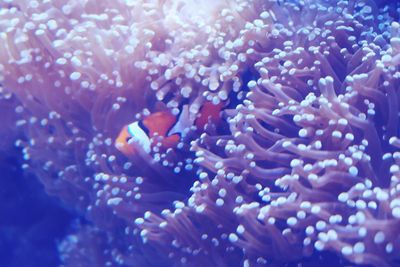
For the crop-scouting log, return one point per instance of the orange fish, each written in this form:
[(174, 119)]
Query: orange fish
[(165, 124), (209, 112)]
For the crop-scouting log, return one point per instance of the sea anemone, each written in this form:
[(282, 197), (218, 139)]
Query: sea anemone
[(304, 166)]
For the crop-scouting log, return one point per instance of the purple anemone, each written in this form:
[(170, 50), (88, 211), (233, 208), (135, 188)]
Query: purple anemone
[(304, 166)]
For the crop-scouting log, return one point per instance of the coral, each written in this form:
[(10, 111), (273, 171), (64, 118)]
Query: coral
[(304, 163)]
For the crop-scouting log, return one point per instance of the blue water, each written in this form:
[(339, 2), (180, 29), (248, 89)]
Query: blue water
[(31, 222)]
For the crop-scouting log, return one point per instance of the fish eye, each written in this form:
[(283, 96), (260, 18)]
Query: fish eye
[(128, 138)]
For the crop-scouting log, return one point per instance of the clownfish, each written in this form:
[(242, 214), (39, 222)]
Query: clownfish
[(167, 125)]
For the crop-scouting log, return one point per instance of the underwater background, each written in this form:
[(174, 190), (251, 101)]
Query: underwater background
[(300, 167)]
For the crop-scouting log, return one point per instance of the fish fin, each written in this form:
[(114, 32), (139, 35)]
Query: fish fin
[(170, 141)]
